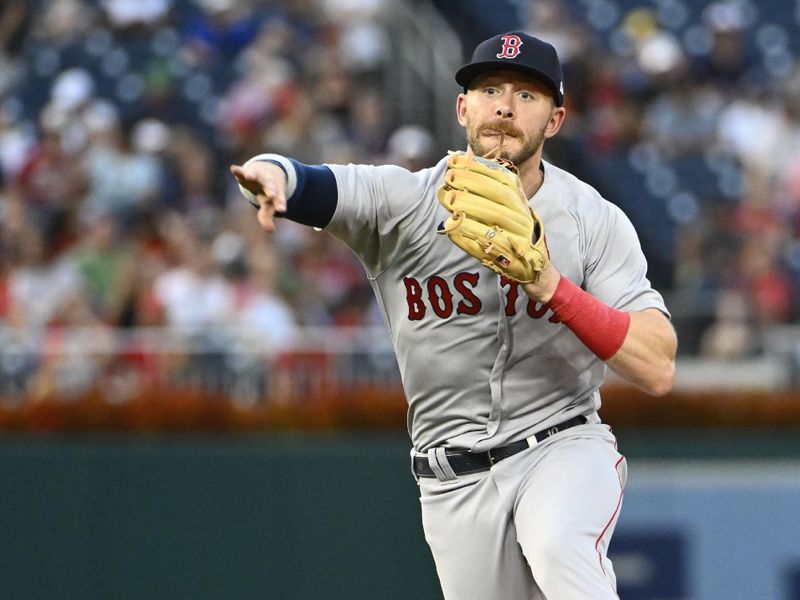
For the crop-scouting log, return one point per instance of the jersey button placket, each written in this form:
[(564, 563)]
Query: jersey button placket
[(498, 369)]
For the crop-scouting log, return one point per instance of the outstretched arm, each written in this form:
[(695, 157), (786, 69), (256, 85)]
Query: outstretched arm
[(282, 187)]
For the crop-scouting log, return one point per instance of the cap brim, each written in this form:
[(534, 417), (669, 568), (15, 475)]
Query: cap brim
[(467, 73)]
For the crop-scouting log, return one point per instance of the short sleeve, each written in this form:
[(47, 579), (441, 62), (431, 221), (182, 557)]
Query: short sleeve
[(615, 266), (376, 210)]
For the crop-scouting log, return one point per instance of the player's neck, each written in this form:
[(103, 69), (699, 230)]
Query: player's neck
[(531, 174)]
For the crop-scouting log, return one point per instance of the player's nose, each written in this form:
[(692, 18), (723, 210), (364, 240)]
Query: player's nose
[(504, 112)]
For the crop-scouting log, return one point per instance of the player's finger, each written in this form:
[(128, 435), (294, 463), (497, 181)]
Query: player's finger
[(249, 188), (266, 214), (475, 230), (259, 183), (274, 195), (245, 179), (451, 223)]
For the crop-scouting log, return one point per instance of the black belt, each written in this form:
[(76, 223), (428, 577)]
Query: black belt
[(464, 463)]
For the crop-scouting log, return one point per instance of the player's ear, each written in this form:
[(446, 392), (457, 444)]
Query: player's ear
[(555, 122), (461, 109)]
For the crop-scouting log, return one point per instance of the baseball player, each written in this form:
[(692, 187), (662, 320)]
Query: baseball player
[(501, 357)]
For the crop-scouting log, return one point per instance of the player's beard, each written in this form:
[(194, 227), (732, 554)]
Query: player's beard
[(529, 145)]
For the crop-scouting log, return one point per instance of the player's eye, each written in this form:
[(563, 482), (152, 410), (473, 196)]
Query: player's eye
[(490, 91), (526, 95)]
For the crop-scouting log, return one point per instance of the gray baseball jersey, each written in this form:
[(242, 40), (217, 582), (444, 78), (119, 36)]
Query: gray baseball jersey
[(481, 364)]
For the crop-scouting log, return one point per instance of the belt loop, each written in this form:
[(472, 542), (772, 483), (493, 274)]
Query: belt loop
[(437, 459), (413, 454)]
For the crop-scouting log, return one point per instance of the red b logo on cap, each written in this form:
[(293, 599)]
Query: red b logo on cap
[(511, 45)]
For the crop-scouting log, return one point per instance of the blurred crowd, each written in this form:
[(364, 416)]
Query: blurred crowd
[(686, 113), (117, 207), (704, 106), (119, 118)]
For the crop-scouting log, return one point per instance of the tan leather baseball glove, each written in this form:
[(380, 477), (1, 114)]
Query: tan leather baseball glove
[(490, 217)]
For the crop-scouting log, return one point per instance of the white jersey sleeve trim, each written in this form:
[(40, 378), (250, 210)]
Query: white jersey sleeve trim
[(291, 175)]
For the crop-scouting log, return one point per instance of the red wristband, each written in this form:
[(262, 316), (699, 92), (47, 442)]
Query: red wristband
[(600, 327)]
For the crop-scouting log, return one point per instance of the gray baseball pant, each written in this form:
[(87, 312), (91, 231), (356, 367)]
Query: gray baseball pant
[(535, 526)]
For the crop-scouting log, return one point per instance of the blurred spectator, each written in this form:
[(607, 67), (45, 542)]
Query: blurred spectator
[(733, 334), (188, 170), (77, 353), (133, 15), (325, 275), (768, 173), (15, 21), (64, 21), (261, 312), (17, 140), (94, 180), (554, 22), (151, 257), (614, 121), (763, 277), (267, 84), (334, 89), (683, 119), (412, 147), (42, 287), (368, 123), (52, 186), (727, 60), (107, 267), (302, 131), (122, 179), (193, 292), (221, 30), (361, 36)]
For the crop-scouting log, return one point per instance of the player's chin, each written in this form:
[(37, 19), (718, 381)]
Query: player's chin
[(522, 153)]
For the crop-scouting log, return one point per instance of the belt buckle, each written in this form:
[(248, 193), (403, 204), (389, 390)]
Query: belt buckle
[(492, 459)]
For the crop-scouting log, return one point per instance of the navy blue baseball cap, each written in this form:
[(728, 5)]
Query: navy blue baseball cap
[(518, 51)]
